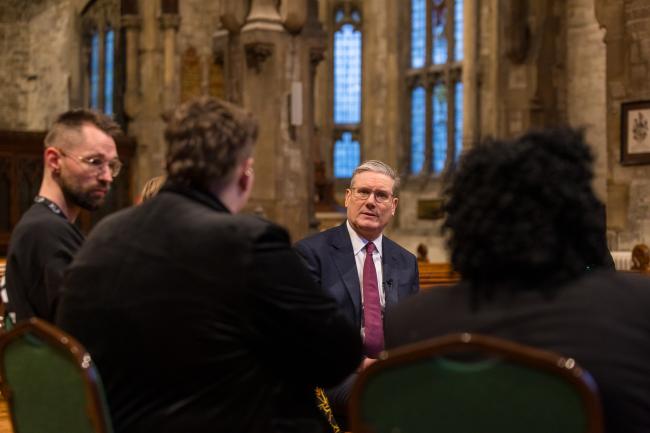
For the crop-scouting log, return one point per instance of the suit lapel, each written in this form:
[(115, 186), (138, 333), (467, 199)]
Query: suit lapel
[(343, 256), (390, 276)]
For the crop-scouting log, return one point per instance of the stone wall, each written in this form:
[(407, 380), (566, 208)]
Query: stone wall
[(585, 83), (627, 25), (54, 53), (36, 59)]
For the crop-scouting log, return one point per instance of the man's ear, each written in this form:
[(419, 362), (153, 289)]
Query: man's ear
[(246, 174), (395, 201), (52, 159), (348, 194)]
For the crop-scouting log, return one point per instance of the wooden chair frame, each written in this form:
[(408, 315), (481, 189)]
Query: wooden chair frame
[(563, 367), (70, 348)]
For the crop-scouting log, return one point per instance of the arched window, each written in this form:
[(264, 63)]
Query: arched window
[(347, 49), (109, 70), (103, 78), (435, 87)]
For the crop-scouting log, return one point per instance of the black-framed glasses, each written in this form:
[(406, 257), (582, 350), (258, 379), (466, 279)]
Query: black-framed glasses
[(96, 162), (365, 193)]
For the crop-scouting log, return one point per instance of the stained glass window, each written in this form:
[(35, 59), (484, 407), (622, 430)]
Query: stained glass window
[(347, 51), (109, 61), (436, 109), (418, 33), (94, 71), (346, 156), (347, 75), (439, 53), (458, 30), (458, 119), (439, 102), (418, 129)]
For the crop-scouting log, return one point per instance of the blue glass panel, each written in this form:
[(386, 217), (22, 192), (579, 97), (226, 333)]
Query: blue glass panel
[(439, 46), (339, 15), (458, 118), (356, 16), (109, 55), (347, 75), (346, 156), (94, 71), (458, 30), (418, 33), (418, 128), (439, 127)]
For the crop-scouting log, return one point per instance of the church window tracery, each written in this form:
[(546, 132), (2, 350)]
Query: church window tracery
[(434, 84), (347, 51)]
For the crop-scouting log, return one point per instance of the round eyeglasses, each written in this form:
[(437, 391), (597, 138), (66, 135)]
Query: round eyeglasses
[(365, 193), (96, 162)]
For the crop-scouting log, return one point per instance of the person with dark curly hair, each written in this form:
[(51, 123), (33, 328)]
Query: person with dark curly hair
[(200, 320), (526, 232)]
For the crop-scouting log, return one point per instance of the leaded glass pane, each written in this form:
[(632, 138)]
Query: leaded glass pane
[(418, 33), (458, 30), (458, 118), (439, 46), (94, 71), (339, 15), (347, 75), (356, 16), (439, 103), (346, 156), (108, 75), (418, 128)]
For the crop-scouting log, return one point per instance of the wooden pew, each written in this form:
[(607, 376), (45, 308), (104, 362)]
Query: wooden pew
[(436, 274)]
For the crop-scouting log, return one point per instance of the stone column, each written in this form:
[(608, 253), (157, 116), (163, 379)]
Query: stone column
[(276, 84), (131, 24), (146, 97), (169, 23), (470, 73)]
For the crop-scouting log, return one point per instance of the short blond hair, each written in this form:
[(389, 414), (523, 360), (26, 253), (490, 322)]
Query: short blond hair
[(151, 187)]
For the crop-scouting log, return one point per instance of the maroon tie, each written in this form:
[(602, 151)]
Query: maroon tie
[(372, 323)]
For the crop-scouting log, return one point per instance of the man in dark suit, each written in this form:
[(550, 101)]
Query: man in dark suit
[(526, 234), (362, 269), (200, 320)]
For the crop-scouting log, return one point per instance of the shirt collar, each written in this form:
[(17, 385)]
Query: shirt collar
[(359, 243)]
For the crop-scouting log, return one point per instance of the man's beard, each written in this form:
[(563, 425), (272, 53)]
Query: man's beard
[(84, 199)]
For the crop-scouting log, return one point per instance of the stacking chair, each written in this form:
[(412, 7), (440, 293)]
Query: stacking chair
[(50, 382), (466, 383)]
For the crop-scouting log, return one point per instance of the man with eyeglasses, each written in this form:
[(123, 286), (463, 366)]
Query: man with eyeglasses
[(362, 269), (79, 164)]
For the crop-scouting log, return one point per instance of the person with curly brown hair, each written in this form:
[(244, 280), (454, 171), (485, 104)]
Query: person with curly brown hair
[(199, 319), (527, 234)]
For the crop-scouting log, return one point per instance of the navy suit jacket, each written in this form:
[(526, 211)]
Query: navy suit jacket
[(330, 259)]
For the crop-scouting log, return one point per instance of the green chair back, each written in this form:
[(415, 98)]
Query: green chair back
[(468, 384), (50, 382)]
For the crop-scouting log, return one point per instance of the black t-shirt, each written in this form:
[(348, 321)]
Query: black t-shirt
[(42, 245)]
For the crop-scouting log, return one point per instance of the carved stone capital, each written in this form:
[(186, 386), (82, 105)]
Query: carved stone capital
[(256, 54), (234, 13), (316, 55), (263, 15), (293, 14), (131, 21), (170, 21)]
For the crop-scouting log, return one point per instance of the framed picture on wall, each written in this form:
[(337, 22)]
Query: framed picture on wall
[(635, 132)]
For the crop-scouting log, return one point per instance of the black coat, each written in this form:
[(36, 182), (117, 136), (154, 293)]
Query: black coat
[(203, 321), (601, 319)]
